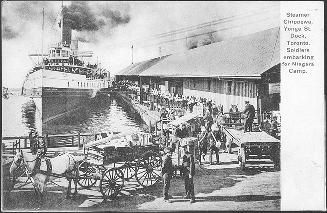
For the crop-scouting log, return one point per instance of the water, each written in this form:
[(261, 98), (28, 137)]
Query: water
[(20, 115)]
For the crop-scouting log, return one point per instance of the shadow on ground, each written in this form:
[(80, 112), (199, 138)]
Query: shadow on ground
[(54, 199), (237, 198), (206, 181)]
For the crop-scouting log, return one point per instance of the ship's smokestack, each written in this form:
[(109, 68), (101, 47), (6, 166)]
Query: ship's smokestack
[(66, 35)]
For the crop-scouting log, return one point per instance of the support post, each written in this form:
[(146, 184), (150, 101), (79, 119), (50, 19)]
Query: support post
[(47, 140), (25, 143), (258, 103), (79, 139), (73, 140), (141, 91), (84, 152), (155, 128), (178, 154)]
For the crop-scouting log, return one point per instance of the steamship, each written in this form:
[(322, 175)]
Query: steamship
[(62, 79)]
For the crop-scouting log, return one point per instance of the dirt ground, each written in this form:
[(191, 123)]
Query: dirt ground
[(217, 187)]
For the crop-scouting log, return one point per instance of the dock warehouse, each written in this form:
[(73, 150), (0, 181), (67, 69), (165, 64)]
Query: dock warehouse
[(133, 71), (227, 72)]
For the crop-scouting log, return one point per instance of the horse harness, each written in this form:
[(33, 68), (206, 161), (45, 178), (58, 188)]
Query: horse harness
[(48, 172), (37, 166)]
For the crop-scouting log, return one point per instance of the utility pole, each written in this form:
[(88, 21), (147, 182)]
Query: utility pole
[(159, 52), (132, 54)]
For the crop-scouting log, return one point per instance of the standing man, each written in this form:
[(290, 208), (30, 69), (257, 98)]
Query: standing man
[(214, 142), (167, 172), (249, 112), (203, 143), (34, 142), (188, 174)]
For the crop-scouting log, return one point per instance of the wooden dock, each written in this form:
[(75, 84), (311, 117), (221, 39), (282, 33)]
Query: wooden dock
[(56, 144)]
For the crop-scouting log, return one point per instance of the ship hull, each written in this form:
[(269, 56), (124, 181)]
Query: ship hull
[(60, 93), (57, 103)]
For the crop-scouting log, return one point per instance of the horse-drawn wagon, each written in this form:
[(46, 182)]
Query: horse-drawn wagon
[(257, 145), (109, 161), (112, 161)]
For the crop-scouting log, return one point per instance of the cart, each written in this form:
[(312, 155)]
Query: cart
[(253, 146), (112, 161)]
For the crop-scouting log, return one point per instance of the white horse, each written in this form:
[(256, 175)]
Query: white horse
[(62, 166)]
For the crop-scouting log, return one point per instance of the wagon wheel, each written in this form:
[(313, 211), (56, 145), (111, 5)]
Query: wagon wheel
[(111, 182), (241, 158), (148, 169), (87, 175), (128, 170)]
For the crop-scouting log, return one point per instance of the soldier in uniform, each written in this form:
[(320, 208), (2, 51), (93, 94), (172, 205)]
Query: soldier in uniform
[(167, 172), (214, 147), (249, 112), (203, 143), (188, 174), (34, 142)]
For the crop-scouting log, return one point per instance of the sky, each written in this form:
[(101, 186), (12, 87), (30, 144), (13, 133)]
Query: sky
[(109, 29)]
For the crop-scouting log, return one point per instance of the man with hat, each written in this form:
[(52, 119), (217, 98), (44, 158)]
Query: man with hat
[(249, 112), (188, 174), (166, 172)]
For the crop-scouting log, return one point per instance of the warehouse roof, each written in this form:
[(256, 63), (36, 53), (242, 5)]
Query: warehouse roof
[(246, 56), (137, 68)]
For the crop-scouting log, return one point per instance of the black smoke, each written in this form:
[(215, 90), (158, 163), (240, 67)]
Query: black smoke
[(115, 17), (202, 38), (78, 16), (91, 21)]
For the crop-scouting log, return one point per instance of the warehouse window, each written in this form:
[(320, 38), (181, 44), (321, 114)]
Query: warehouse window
[(241, 88), (229, 88), (237, 88), (251, 90), (256, 90), (220, 87), (234, 88), (246, 89), (209, 85)]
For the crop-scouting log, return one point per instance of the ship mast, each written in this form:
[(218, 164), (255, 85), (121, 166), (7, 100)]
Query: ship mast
[(62, 20), (42, 36)]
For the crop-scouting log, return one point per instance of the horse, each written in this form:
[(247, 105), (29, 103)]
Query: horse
[(64, 165)]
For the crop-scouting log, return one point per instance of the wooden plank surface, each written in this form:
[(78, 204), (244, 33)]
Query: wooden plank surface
[(243, 137)]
